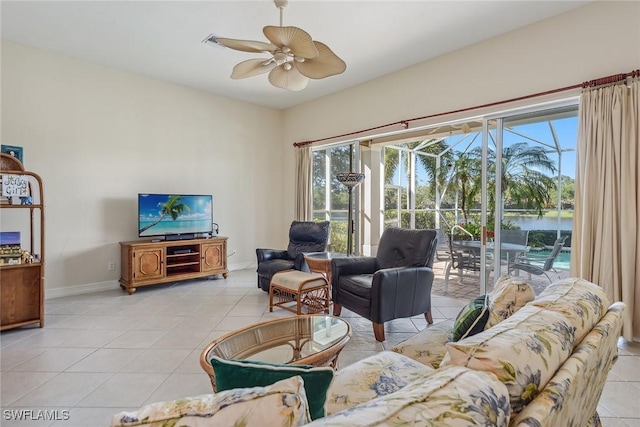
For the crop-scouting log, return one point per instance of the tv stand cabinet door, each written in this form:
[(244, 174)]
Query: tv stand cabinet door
[(214, 257), (148, 264)]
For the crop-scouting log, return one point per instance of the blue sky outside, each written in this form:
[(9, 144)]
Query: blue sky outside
[(566, 130)]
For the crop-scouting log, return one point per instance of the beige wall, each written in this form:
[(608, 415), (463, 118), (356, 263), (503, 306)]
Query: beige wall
[(99, 136), (596, 40)]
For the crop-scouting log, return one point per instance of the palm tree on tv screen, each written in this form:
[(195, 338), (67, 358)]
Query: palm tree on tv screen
[(171, 207)]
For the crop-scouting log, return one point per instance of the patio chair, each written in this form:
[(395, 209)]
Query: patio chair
[(539, 265), (464, 260), (443, 247)]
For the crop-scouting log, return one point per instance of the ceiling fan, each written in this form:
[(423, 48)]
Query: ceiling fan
[(295, 57)]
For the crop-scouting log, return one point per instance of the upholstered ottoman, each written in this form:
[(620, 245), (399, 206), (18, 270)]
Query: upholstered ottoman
[(309, 291)]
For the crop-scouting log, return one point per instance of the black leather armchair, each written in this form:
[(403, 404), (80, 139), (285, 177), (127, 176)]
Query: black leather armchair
[(304, 236), (394, 284)]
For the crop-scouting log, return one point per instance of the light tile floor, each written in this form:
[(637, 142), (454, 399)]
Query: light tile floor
[(105, 352)]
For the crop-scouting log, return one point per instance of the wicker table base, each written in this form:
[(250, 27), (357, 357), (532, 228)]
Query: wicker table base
[(300, 340)]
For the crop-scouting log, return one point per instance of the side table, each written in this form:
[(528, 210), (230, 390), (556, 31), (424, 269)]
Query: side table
[(320, 262)]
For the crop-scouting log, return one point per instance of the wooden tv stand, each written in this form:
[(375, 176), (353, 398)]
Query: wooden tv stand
[(145, 262)]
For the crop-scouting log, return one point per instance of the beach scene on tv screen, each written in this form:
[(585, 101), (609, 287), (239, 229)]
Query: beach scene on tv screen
[(163, 214)]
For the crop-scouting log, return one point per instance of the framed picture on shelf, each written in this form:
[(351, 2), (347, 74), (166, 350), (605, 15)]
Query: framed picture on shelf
[(14, 151)]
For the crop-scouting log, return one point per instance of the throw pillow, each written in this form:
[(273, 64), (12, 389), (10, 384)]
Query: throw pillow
[(472, 318), (281, 404), (508, 296), (249, 373)]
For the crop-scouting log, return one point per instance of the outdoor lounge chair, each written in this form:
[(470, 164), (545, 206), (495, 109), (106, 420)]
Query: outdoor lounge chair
[(539, 265)]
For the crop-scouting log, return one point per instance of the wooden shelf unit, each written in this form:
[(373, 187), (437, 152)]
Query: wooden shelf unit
[(145, 262), (22, 285)]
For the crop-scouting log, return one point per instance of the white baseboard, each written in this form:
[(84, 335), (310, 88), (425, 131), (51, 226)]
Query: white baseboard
[(80, 289), (242, 266), (113, 284)]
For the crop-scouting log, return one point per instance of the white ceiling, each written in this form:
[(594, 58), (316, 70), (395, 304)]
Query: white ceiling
[(163, 39)]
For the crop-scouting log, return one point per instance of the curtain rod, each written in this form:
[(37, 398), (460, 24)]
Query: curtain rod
[(615, 78)]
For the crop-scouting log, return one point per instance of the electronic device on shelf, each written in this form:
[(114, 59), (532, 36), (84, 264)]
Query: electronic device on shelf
[(181, 251), (175, 216)]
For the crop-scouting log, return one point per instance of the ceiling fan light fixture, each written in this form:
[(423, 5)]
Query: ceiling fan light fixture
[(295, 56), (290, 79)]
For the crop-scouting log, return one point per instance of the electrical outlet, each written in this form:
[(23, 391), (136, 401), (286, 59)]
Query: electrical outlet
[(111, 266)]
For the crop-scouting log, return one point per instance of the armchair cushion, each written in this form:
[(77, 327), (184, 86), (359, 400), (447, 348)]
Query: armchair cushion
[(405, 248), (307, 236), (359, 285)]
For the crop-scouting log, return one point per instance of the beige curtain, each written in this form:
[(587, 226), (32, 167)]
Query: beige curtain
[(607, 200), (303, 184)]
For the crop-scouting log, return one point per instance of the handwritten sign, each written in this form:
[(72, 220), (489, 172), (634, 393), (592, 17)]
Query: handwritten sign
[(15, 185)]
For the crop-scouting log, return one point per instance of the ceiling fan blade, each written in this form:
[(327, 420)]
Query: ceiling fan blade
[(324, 65), (246, 45), (252, 67), (296, 39), (288, 79)]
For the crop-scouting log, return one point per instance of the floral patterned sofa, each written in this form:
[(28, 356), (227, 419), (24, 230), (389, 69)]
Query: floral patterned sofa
[(544, 364)]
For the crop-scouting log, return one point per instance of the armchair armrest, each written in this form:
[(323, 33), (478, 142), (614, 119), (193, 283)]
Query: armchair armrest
[(268, 254), (400, 292), (353, 265)]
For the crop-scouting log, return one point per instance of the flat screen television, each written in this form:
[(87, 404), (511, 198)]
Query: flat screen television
[(171, 215)]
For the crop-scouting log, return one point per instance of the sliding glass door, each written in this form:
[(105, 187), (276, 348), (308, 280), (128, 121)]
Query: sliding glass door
[(528, 192), (330, 197)]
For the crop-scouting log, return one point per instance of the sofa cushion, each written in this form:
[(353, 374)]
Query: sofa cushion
[(571, 396), (452, 396), (230, 374), (282, 404), (378, 375), (428, 345), (472, 318), (508, 296), (523, 351), (583, 303)]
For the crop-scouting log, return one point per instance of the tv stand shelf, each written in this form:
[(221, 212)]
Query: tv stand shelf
[(146, 262)]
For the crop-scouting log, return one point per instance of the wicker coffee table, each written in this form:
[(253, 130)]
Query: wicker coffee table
[(300, 340)]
